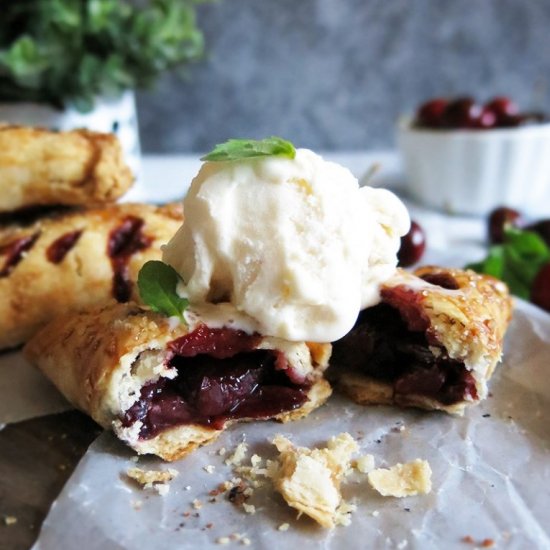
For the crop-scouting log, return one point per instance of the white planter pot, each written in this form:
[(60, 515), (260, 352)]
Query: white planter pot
[(109, 115)]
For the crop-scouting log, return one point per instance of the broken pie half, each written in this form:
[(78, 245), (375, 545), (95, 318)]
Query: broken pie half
[(166, 387), (433, 342)]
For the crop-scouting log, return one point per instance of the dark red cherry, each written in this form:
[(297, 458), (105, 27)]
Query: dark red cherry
[(412, 247), (487, 119), (503, 107), (429, 114), (500, 218), (540, 290), (463, 112), (541, 227)]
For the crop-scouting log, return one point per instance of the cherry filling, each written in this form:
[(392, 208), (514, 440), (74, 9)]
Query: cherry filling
[(385, 347), (219, 378), (124, 241), (57, 251), (14, 252)]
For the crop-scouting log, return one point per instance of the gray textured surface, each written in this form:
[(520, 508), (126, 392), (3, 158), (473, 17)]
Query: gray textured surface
[(335, 74)]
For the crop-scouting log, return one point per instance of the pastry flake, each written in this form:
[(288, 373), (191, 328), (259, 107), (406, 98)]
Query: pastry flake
[(433, 342), (309, 479), (402, 480), (166, 388)]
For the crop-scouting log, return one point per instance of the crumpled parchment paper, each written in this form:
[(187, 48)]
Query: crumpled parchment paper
[(491, 476)]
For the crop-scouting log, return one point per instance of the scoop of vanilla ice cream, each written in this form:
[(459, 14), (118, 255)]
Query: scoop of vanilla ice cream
[(294, 243)]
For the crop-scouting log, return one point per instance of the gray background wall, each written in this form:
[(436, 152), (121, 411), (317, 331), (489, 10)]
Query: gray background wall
[(335, 74)]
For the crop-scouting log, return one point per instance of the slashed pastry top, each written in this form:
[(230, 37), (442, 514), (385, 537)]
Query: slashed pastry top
[(44, 167), (75, 260), (433, 342), (166, 386)]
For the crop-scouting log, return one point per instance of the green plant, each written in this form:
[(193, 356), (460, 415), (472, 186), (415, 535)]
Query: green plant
[(72, 51)]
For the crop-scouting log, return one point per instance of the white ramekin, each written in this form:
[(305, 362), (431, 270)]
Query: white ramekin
[(474, 171)]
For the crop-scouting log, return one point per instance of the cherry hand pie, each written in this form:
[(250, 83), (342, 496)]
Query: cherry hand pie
[(75, 260), (166, 387), (433, 342), (43, 167)]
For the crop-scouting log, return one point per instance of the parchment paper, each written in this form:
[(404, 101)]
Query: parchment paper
[(24, 392), (491, 476)]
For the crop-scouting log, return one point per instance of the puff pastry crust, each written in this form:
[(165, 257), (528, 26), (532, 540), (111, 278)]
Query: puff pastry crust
[(105, 360), (43, 167), (433, 343), (76, 260)]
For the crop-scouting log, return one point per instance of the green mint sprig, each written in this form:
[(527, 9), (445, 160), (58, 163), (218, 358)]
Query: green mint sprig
[(157, 283), (238, 149), (516, 261)]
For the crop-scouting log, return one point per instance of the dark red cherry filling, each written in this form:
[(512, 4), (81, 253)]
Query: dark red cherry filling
[(57, 251), (219, 378), (124, 241), (384, 346)]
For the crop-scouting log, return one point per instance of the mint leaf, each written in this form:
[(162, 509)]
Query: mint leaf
[(516, 261), (238, 149), (157, 283)]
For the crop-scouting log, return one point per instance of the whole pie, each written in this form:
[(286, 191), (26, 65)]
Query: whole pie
[(41, 167), (72, 260)]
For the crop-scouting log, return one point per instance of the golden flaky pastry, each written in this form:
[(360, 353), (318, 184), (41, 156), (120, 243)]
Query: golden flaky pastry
[(43, 167), (166, 387), (432, 343), (309, 479), (76, 260)]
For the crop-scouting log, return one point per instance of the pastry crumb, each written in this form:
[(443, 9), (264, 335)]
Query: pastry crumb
[(10, 520), (309, 480), (343, 514), (283, 527), (249, 508), (153, 479), (163, 489), (364, 464), (209, 469), (246, 541), (402, 480), (223, 540), (197, 504), (238, 455)]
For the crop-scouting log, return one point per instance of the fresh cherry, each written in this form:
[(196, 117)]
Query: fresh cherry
[(502, 107), (412, 247), (429, 114), (542, 228), (540, 290), (499, 219), (463, 112), (487, 119)]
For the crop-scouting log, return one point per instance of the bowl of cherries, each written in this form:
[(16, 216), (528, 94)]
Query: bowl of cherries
[(465, 157)]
